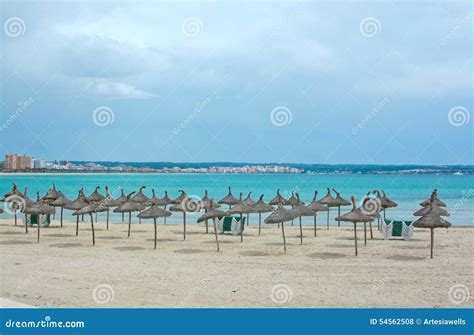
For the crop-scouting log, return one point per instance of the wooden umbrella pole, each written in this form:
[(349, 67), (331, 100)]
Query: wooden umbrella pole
[(184, 225), (93, 231), (241, 229), (328, 217), (259, 222), (26, 223), (165, 216), (292, 219), (123, 217), (432, 241), (355, 237), (14, 212), (371, 233), (129, 222), (62, 210), (301, 232), (338, 214), (315, 225), (248, 219), (365, 233), (283, 234), (215, 233), (154, 223), (107, 219), (38, 223), (77, 225)]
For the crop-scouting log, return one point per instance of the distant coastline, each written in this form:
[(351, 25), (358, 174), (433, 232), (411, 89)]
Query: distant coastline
[(82, 167)]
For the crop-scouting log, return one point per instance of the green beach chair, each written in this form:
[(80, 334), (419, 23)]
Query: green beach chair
[(230, 224), (397, 228)]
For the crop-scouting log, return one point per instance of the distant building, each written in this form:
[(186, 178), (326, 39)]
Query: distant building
[(39, 164), (15, 162)]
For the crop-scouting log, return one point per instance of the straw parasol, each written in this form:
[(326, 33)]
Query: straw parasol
[(51, 195), (95, 196), (432, 208), (240, 209), (329, 201), (278, 200), (299, 211), (229, 199), (431, 220), (340, 202), (207, 203), (61, 201), (165, 201), (92, 207), (212, 213), (108, 202), (433, 199), (280, 215), (179, 199), (122, 199), (355, 215), (261, 207), (390, 203), (316, 207), (142, 199), (249, 202), (154, 199), (154, 212), (16, 198), (187, 205), (370, 207), (128, 207), (39, 207), (76, 204)]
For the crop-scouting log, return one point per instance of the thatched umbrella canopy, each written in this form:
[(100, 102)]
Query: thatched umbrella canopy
[(122, 198), (390, 203), (229, 199), (212, 213), (28, 201), (95, 196), (280, 215), (154, 212), (165, 201), (179, 199), (433, 199), (61, 201), (294, 200), (108, 202), (278, 200), (39, 207), (316, 207), (154, 199), (207, 203), (355, 215), (52, 194), (249, 202), (370, 207), (432, 208), (16, 199), (93, 207), (78, 203), (187, 205), (340, 202), (240, 209), (300, 211), (329, 201), (128, 207), (140, 197), (431, 221), (261, 207)]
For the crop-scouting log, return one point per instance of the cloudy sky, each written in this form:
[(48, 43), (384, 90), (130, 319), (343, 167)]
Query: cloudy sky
[(346, 82)]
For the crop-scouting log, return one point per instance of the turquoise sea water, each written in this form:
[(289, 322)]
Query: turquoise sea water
[(408, 190)]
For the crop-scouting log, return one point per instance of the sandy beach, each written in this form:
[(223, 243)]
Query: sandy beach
[(67, 271)]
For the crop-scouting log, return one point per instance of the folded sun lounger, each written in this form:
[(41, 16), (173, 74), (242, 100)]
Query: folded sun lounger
[(230, 223), (397, 228)]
